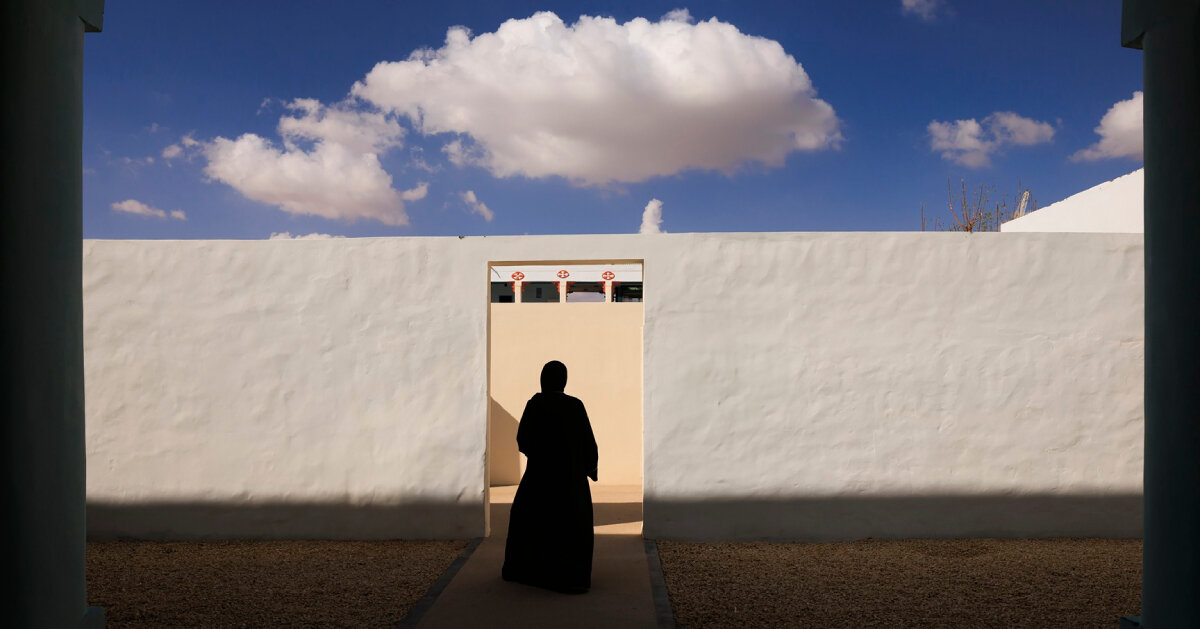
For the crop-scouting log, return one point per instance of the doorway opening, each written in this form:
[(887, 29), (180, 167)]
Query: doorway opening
[(588, 315)]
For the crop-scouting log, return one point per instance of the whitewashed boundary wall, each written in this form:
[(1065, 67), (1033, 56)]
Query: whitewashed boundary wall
[(895, 385), (796, 386)]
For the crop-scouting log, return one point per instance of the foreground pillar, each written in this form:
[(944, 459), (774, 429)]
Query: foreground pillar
[(41, 342), (1168, 32)]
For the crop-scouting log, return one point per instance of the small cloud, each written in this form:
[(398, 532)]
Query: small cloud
[(924, 9), (153, 128), (1120, 133), (652, 218), (312, 236), (182, 148), (133, 164), (1010, 128), (476, 206), (416, 194), (971, 142), (679, 15), (460, 154), (132, 206)]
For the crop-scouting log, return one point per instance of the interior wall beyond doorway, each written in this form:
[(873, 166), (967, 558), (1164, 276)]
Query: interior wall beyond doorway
[(601, 345)]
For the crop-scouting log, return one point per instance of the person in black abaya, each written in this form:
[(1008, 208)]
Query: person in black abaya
[(550, 526)]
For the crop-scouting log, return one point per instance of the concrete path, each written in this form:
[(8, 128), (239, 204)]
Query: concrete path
[(620, 594)]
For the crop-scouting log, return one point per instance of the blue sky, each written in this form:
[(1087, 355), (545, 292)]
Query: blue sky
[(785, 116)]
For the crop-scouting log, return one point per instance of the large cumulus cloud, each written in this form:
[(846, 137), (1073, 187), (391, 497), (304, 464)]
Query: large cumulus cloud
[(599, 101)]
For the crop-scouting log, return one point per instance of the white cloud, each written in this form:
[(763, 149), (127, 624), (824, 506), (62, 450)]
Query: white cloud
[(652, 218), (132, 165), (924, 9), (598, 101), (476, 206), (186, 147), (312, 236), (1010, 128), (416, 194), (1120, 133), (972, 143), (328, 165), (461, 154), (679, 15), (358, 131), (961, 141), (133, 206), (330, 181)]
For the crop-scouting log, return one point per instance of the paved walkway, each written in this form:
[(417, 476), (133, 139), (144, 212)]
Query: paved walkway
[(620, 594)]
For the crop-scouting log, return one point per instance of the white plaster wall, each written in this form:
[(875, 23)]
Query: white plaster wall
[(228, 381), (1114, 206), (894, 385), (886, 385)]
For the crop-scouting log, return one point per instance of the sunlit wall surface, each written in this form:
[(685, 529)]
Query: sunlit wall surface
[(802, 386)]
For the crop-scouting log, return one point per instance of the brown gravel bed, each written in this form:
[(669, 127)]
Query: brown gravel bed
[(905, 583), (262, 584)]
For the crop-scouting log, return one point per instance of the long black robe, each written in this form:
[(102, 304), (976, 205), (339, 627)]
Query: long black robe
[(550, 526)]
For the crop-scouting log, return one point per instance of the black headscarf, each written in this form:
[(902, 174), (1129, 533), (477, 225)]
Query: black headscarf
[(554, 377)]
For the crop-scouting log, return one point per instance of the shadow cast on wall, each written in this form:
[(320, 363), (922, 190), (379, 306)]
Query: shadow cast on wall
[(606, 513), (895, 517), (283, 520), (504, 460), (784, 519), (603, 514)]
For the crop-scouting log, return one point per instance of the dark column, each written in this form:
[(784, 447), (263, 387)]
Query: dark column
[(1168, 32), (41, 342)]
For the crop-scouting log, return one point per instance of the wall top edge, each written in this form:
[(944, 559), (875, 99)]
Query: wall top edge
[(675, 235)]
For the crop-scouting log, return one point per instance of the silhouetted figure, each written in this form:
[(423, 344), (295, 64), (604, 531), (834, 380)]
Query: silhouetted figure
[(550, 526)]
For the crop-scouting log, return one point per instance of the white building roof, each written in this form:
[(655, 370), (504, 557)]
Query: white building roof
[(1113, 206)]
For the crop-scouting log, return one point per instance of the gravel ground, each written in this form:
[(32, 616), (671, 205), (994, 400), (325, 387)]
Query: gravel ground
[(262, 584), (907, 583)]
